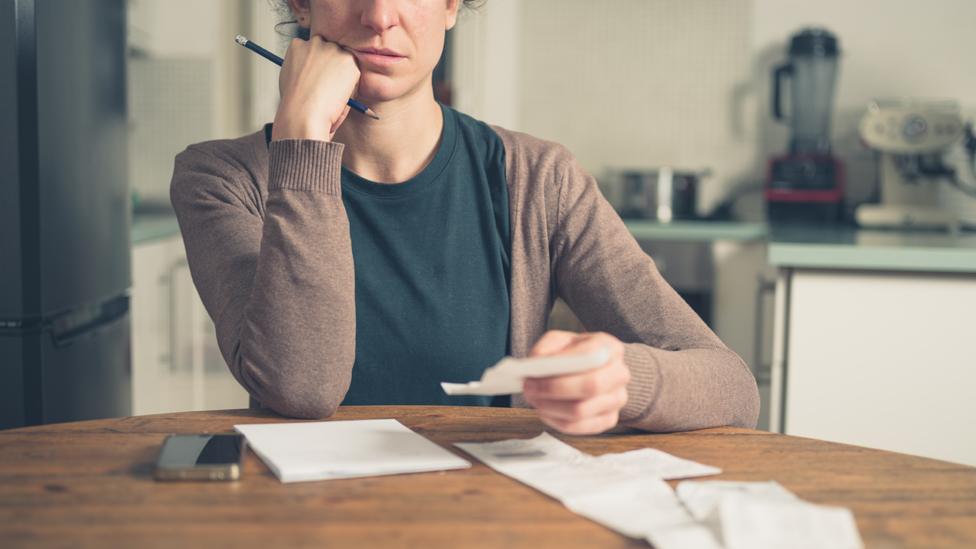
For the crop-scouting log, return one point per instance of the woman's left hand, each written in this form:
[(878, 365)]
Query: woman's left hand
[(585, 403)]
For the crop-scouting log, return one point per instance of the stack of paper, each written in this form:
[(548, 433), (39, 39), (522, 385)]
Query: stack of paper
[(345, 449), (627, 492), (507, 376)]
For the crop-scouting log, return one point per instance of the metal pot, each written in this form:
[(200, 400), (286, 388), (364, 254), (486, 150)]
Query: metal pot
[(663, 194)]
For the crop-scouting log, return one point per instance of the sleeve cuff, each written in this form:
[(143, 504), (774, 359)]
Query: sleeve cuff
[(305, 165), (645, 382)]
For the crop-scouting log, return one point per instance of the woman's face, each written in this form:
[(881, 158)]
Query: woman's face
[(412, 29)]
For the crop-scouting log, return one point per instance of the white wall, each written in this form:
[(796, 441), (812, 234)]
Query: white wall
[(637, 82)]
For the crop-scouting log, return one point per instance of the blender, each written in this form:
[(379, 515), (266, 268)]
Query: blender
[(807, 183)]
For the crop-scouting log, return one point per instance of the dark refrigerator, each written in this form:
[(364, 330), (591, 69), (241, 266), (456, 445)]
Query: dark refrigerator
[(64, 212)]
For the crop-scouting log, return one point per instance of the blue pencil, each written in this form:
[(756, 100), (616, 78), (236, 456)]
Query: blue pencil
[(279, 61)]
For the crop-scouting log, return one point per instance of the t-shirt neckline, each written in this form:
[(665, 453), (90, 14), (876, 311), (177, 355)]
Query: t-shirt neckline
[(427, 177)]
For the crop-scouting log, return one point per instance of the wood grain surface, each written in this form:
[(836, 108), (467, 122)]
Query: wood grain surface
[(89, 484)]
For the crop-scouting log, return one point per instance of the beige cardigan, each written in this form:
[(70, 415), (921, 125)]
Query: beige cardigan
[(268, 245)]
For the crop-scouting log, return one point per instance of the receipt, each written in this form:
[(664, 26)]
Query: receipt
[(506, 377), (627, 492), (760, 515), (624, 492), (701, 498)]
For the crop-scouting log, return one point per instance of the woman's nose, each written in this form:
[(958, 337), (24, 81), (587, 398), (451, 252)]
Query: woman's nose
[(380, 15)]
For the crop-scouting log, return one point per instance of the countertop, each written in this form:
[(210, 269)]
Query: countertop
[(841, 247), (147, 227), (697, 231), (869, 249)]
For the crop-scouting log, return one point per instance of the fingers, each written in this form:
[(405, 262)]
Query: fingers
[(552, 341), (584, 403), (578, 410), (588, 426), (578, 386)]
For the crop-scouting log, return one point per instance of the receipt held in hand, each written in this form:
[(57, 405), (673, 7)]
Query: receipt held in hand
[(506, 377)]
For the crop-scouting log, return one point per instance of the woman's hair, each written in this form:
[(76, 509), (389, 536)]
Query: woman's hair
[(284, 12)]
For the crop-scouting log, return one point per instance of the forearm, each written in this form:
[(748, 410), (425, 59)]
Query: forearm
[(279, 288), (688, 389), (296, 339)]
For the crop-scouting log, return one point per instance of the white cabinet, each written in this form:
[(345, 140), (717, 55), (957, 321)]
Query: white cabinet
[(176, 365), (878, 359)]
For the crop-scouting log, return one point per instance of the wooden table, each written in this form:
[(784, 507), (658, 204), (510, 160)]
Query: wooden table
[(90, 484)]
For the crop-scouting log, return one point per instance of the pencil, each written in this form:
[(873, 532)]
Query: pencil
[(279, 61)]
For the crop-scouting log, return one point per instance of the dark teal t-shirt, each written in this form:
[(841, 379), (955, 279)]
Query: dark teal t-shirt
[(432, 271)]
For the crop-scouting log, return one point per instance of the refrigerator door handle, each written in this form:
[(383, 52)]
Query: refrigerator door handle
[(69, 327)]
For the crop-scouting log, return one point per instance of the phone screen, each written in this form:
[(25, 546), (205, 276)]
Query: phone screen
[(186, 451)]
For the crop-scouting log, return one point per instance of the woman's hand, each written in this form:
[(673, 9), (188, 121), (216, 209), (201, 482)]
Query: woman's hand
[(316, 81), (585, 403)]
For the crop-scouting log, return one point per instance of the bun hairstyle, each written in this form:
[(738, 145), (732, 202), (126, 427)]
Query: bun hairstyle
[(281, 6)]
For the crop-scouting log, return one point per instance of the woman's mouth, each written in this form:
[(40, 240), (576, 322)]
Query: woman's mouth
[(378, 57)]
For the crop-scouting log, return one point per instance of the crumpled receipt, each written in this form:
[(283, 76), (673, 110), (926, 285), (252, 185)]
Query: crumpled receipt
[(507, 376), (627, 492), (765, 515)]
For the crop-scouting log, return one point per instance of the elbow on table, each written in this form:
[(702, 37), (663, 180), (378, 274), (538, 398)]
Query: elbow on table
[(300, 395), (296, 388), (305, 403)]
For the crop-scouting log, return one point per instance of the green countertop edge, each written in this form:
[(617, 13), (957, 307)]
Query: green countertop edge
[(697, 231), (956, 256), (151, 227), (849, 257)]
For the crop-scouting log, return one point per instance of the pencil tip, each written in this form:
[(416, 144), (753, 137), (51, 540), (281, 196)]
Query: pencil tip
[(240, 40), (371, 113)]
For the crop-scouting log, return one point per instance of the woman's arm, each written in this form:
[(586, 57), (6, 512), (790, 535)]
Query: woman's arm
[(682, 376), (279, 289)]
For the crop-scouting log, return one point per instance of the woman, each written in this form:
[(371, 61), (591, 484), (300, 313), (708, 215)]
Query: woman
[(347, 260)]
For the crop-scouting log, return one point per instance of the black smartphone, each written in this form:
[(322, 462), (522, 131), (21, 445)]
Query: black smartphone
[(201, 457)]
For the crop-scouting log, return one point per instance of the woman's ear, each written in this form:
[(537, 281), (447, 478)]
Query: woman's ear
[(452, 13), (302, 11)]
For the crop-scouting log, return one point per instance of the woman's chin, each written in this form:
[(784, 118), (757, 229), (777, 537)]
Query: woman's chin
[(379, 88)]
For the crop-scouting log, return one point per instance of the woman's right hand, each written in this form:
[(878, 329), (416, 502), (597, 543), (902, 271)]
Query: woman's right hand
[(316, 81)]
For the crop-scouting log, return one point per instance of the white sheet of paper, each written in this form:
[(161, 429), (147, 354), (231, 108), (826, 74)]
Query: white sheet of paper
[(506, 377), (345, 449), (624, 492)]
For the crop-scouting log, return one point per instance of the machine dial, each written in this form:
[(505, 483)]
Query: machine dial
[(914, 128)]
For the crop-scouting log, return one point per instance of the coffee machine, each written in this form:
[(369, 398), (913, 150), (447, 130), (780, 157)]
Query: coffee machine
[(912, 138), (807, 183)]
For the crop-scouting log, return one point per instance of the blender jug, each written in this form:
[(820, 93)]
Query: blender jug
[(812, 70)]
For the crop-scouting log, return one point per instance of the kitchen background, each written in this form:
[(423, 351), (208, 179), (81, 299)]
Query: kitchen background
[(632, 85)]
